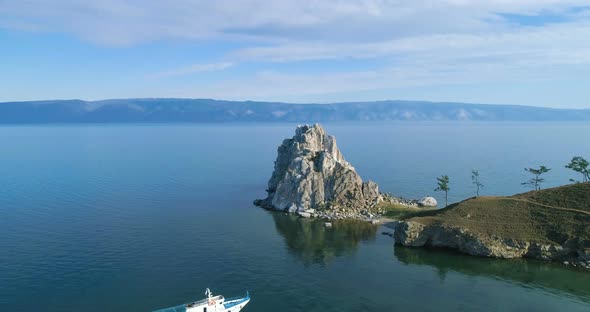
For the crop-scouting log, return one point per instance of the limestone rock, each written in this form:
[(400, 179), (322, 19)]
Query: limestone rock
[(371, 191), (415, 234), (311, 173), (304, 214), (409, 234), (427, 202)]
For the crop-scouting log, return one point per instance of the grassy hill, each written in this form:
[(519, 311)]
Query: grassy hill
[(551, 215)]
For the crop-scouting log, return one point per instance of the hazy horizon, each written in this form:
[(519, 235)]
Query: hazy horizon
[(502, 52), (291, 103)]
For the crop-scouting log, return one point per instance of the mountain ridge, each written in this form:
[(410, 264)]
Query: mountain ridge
[(171, 110)]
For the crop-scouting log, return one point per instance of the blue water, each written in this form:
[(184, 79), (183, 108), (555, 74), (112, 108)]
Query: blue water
[(141, 217)]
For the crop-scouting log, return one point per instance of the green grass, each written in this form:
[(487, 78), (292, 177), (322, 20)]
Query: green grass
[(552, 215), (399, 211), (574, 196)]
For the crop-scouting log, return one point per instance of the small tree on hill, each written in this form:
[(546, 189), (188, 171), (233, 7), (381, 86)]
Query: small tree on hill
[(535, 182), (580, 165), (475, 181), (443, 186)]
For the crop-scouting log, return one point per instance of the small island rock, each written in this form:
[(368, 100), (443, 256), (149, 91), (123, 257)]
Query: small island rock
[(311, 173)]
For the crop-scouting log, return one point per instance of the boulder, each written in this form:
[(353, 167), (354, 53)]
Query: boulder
[(371, 191), (304, 214), (427, 202), (311, 173)]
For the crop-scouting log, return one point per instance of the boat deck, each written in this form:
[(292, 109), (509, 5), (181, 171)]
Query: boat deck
[(226, 302), (179, 308)]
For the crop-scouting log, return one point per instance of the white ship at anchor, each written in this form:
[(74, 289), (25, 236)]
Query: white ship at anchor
[(212, 304)]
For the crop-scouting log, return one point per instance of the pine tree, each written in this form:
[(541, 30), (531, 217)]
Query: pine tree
[(535, 182), (475, 181), (580, 165), (443, 186)]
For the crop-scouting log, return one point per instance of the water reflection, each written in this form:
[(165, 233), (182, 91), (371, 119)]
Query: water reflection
[(312, 242), (530, 273)]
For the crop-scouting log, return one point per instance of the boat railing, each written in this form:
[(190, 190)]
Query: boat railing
[(238, 297), (197, 303), (233, 298)]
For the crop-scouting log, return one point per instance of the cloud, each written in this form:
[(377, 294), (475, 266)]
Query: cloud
[(553, 44), (193, 69), (124, 22), (414, 43)]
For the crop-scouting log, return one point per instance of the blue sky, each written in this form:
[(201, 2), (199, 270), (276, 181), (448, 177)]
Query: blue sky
[(531, 52)]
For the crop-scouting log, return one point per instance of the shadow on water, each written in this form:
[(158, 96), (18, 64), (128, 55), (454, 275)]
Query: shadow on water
[(552, 277), (314, 243)]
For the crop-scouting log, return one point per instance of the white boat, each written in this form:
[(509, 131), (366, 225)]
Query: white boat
[(212, 304)]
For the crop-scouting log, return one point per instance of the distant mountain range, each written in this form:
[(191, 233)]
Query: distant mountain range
[(206, 110)]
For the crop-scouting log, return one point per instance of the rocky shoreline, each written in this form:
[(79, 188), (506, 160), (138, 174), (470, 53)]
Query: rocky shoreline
[(372, 214), (415, 234)]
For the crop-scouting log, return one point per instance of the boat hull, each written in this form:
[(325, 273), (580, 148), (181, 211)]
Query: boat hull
[(212, 304), (222, 307)]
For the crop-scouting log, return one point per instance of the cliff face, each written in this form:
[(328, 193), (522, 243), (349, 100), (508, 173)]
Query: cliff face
[(311, 173), (415, 234)]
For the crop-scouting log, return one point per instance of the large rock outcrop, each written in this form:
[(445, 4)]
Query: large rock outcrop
[(416, 234), (311, 173)]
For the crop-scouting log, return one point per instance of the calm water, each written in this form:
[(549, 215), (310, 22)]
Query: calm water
[(134, 218)]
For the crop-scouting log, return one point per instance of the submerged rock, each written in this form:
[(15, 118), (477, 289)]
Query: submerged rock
[(311, 173)]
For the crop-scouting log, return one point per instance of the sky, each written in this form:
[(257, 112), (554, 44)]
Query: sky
[(528, 52)]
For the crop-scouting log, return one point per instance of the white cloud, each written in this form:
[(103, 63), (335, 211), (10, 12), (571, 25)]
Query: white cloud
[(118, 22), (552, 44)]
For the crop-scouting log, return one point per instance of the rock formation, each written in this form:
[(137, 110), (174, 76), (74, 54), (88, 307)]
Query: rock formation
[(311, 173), (428, 202), (415, 234)]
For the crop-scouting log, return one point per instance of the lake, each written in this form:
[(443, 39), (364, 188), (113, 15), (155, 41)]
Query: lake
[(141, 217)]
